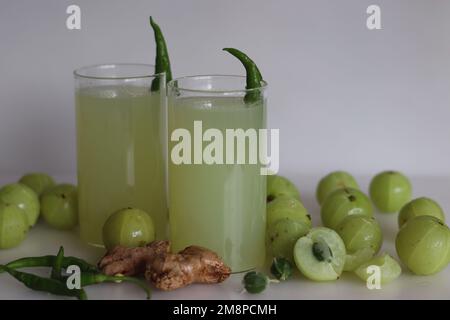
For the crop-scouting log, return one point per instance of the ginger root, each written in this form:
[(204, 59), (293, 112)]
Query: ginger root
[(167, 271), (131, 261)]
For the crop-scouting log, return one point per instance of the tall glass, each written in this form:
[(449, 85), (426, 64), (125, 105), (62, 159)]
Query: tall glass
[(120, 142), (218, 206)]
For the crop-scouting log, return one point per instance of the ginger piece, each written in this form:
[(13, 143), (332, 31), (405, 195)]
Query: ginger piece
[(167, 271), (131, 261), (192, 265)]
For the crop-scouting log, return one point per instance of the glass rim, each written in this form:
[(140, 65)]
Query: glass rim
[(171, 83), (78, 73)]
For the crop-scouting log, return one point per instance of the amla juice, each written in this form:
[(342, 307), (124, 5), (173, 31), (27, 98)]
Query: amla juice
[(120, 156), (219, 206)]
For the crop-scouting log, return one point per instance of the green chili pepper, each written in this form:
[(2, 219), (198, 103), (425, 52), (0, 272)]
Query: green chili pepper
[(253, 75), (82, 264), (48, 261), (88, 278), (162, 62), (38, 283), (57, 264)]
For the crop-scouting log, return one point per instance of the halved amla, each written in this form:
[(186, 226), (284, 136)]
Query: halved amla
[(320, 255), (388, 268)]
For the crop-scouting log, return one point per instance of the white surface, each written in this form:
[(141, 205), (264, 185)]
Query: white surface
[(342, 96), (43, 240)]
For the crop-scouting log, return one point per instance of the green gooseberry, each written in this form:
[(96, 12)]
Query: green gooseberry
[(423, 245), (59, 206), (280, 186), (342, 203), (13, 226), (362, 237), (359, 231), (286, 207), (282, 236), (128, 227), (24, 198), (420, 207), (37, 181), (332, 182), (390, 191)]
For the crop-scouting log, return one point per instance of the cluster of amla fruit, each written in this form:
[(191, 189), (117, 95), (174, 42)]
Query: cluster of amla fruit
[(351, 238), (422, 243), (35, 195)]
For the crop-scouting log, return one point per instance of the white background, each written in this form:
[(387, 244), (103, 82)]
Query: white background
[(343, 97)]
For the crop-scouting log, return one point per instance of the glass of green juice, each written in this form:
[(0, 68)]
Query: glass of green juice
[(214, 204), (120, 145)]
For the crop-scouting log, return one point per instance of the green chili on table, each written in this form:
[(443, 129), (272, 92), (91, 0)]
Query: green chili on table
[(58, 284), (57, 264), (48, 261), (38, 283), (162, 62), (253, 75)]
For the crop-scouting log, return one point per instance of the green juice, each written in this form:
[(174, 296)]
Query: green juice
[(220, 207), (120, 156)]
